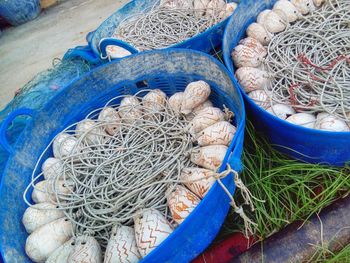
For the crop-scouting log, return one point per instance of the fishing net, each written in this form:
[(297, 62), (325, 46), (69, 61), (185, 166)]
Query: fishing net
[(38, 91)]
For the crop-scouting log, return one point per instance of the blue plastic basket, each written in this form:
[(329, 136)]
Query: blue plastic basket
[(17, 12), (206, 42), (305, 144), (169, 70)]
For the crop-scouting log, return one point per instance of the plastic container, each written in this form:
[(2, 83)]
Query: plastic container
[(206, 42), (169, 70), (309, 145), (17, 12)]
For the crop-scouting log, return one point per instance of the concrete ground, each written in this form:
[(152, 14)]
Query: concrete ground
[(30, 48)]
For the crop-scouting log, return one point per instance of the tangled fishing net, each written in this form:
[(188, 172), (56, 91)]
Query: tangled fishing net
[(165, 24), (310, 62), (109, 178)]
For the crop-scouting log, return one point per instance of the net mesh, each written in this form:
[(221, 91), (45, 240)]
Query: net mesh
[(37, 92)]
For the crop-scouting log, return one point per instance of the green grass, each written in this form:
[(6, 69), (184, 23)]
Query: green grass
[(292, 190), (341, 257), (323, 255)]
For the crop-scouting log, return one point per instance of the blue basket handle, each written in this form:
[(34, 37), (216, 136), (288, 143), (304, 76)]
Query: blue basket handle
[(7, 122), (114, 42), (89, 36), (84, 52), (235, 160)]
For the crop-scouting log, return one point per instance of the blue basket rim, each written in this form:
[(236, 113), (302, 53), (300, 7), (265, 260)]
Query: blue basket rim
[(145, 53)]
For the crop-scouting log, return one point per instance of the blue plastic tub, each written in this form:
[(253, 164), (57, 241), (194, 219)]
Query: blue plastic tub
[(309, 145), (205, 42), (170, 70), (17, 12)]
